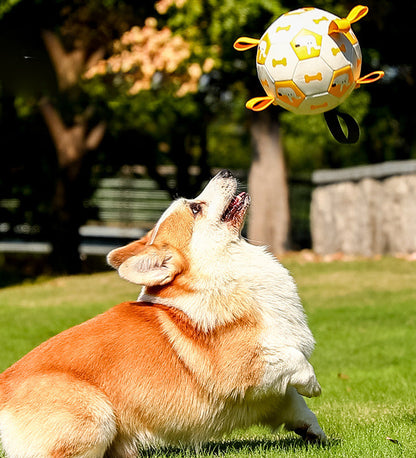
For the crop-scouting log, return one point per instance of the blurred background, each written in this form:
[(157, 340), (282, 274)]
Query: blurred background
[(110, 108)]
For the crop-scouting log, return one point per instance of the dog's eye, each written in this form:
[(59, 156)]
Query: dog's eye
[(195, 208)]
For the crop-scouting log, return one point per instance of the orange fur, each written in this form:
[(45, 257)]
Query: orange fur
[(128, 355)]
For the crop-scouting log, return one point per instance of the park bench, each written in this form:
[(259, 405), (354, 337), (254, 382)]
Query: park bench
[(124, 209), (129, 200)]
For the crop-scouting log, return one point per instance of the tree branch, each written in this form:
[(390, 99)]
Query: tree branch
[(95, 136), (56, 128), (68, 65)]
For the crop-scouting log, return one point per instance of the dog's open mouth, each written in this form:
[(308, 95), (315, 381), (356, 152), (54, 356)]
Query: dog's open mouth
[(237, 208)]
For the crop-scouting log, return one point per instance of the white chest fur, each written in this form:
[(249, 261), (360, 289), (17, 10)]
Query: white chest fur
[(248, 281)]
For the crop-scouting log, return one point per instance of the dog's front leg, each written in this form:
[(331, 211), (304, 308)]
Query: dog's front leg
[(302, 375), (289, 367), (297, 417)]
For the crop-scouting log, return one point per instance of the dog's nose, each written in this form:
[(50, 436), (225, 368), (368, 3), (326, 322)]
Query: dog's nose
[(225, 174)]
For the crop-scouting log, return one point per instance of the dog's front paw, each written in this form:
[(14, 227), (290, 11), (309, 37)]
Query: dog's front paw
[(312, 433), (310, 390), (306, 383)]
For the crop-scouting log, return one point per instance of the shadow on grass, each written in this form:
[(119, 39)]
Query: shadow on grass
[(246, 447)]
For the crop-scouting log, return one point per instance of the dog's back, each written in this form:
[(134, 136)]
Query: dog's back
[(140, 370)]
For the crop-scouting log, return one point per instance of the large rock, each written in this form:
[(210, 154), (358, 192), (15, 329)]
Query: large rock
[(365, 210)]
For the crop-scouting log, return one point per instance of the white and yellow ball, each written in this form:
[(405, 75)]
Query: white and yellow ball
[(308, 61), (303, 68)]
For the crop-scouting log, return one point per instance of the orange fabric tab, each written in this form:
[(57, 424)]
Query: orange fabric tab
[(371, 77), (259, 103), (339, 26), (244, 43), (344, 25), (357, 13)]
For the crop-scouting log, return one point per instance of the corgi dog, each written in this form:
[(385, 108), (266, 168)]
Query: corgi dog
[(217, 340)]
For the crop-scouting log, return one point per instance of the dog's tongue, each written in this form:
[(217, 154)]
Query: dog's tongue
[(235, 206)]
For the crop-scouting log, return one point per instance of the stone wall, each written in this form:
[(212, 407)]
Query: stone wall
[(366, 210)]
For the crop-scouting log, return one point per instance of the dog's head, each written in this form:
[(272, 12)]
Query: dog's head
[(189, 233)]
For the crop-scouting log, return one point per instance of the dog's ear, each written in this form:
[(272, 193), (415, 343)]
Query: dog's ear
[(147, 265), (116, 257)]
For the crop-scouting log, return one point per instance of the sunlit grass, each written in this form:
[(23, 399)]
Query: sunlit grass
[(31, 313), (363, 316)]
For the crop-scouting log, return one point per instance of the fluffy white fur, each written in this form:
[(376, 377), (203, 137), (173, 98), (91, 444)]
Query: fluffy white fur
[(232, 277)]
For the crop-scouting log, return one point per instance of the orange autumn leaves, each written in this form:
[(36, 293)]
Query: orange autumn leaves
[(144, 55), (162, 6)]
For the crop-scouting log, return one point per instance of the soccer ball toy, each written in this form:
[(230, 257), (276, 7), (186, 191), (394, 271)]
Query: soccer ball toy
[(308, 61)]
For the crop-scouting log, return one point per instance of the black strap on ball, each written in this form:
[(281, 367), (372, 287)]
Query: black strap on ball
[(352, 133)]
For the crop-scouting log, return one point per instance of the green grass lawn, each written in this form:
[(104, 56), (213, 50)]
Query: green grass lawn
[(362, 313)]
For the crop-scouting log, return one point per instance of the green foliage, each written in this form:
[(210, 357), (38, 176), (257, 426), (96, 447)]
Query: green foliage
[(309, 144), (221, 20), (362, 316), (7, 5), (211, 26), (218, 107), (226, 144)]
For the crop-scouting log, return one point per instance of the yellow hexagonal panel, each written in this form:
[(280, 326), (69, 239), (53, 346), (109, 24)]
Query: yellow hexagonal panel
[(341, 82), (263, 49), (306, 44), (288, 93)]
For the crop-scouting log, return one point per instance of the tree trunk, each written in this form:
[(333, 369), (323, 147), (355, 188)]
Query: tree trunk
[(67, 215), (72, 143), (269, 217), (67, 212)]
